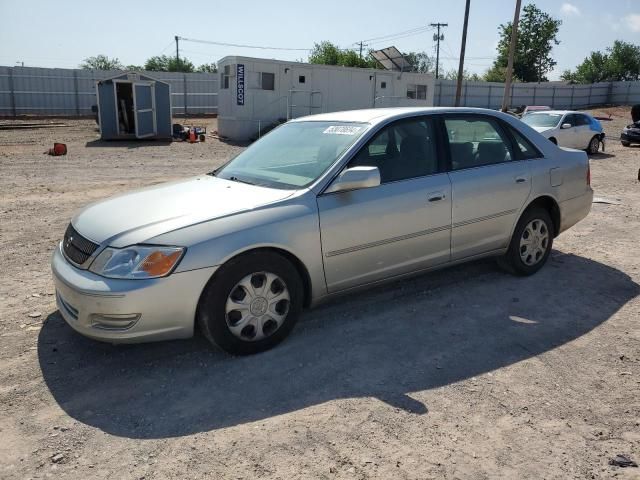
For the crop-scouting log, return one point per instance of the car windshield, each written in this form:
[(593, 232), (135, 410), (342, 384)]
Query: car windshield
[(293, 155), (542, 119)]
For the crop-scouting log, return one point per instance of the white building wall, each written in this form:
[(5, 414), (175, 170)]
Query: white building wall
[(324, 89)]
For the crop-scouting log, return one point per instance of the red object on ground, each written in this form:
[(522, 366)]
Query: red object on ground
[(58, 149), (192, 136)]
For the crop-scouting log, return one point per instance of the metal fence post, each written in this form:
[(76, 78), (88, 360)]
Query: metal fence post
[(439, 94), (184, 76), (12, 93), (535, 94), (553, 97), (489, 97), (610, 94), (628, 93), (466, 88), (76, 93), (573, 89), (590, 104)]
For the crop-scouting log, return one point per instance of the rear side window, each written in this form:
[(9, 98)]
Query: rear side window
[(475, 142), (582, 120), (524, 148)]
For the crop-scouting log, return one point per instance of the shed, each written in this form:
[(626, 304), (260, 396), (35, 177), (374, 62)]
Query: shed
[(133, 105), (256, 93)]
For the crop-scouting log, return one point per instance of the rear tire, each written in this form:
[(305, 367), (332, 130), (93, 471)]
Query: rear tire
[(251, 303), (625, 144), (594, 145), (530, 244)]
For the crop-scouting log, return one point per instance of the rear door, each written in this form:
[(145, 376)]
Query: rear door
[(400, 226), (489, 184), (144, 107)]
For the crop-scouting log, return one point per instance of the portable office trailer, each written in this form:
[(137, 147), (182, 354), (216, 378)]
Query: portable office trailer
[(133, 105), (256, 93)]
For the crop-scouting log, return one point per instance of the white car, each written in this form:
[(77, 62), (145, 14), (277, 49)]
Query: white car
[(567, 128)]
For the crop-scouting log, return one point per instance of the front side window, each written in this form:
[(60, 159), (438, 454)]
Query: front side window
[(403, 150), (293, 155), (475, 142)]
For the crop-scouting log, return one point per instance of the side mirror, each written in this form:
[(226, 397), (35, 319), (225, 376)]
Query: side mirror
[(355, 178), (566, 125)]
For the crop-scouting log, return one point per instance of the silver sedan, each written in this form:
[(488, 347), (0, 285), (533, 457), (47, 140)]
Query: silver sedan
[(319, 207)]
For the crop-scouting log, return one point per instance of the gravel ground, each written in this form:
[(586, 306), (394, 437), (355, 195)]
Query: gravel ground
[(462, 373)]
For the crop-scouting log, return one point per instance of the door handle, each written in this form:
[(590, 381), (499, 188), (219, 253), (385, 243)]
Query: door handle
[(436, 197), (521, 180)]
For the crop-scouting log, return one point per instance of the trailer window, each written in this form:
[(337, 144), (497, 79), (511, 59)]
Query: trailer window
[(417, 92), (267, 81), (225, 76)]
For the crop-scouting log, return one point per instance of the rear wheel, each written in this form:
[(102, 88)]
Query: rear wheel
[(251, 304), (594, 145), (625, 144), (531, 243)]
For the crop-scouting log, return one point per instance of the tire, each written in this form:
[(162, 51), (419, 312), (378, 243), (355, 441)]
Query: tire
[(625, 144), (525, 265), (594, 145), (256, 324), (553, 140)]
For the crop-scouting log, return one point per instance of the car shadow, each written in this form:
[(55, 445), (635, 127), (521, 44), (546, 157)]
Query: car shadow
[(412, 335), (600, 156)]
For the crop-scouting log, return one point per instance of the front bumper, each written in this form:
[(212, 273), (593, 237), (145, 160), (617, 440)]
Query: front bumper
[(127, 311)]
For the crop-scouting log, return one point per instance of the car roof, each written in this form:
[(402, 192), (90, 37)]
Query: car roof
[(556, 112), (379, 115)]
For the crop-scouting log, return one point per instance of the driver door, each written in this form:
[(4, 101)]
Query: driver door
[(402, 225)]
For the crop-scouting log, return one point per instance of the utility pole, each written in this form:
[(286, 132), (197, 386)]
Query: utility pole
[(512, 48), (437, 37), (361, 45), (177, 53), (462, 49)]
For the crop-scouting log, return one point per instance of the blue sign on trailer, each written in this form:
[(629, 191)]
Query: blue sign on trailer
[(240, 84)]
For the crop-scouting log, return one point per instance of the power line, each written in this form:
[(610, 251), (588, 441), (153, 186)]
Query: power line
[(238, 45), (413, 31)]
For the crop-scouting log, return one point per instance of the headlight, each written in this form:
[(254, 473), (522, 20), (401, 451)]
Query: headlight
[(138, 261)]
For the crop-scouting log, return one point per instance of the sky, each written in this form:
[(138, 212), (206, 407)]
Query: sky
[(47, 33)]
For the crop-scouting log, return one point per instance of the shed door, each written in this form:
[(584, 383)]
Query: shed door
[(144, 106)]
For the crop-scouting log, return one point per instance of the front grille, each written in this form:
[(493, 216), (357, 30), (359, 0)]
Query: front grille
[(76, 247)]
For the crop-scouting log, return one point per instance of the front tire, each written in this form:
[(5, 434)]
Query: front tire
[(251, 304), (531, 243), (594, 145)]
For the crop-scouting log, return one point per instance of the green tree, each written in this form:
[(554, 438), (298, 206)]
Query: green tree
[(207, 68), (453, 75), (537, 34), (620, 62), (164, 63), (101, 62), (133, 68), (326, 53), (421, 61)]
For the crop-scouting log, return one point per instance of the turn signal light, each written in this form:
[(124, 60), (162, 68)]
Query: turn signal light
[(158, 264)]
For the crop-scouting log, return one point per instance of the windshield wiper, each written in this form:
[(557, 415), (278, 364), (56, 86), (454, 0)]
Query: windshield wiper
[(236, 179)]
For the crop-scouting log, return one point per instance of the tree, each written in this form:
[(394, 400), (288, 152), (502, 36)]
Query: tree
[(101, 62), (620, 62), (537, 34), (421, 61), (453, 75), (326, 53), (207, 68), (164, 63), (133, 67)]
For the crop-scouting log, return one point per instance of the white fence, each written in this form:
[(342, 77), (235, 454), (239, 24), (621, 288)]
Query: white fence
[(58, 91), (69, 92), (555, 95)]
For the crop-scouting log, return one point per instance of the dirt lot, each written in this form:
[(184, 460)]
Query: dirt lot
[(463, 373)]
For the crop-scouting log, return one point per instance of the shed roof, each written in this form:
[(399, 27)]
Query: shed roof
[(125, 75)]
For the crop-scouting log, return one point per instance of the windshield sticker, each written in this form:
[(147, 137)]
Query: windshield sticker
[(342, 130)]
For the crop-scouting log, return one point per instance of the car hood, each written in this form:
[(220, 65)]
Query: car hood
[(542, 129), (142, 214)]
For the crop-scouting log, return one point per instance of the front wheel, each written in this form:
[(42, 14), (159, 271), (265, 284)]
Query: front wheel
[(251, 304), (594, 145), (531, 243)]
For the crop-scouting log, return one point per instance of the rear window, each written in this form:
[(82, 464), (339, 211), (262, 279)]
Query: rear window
[(542, 119)]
